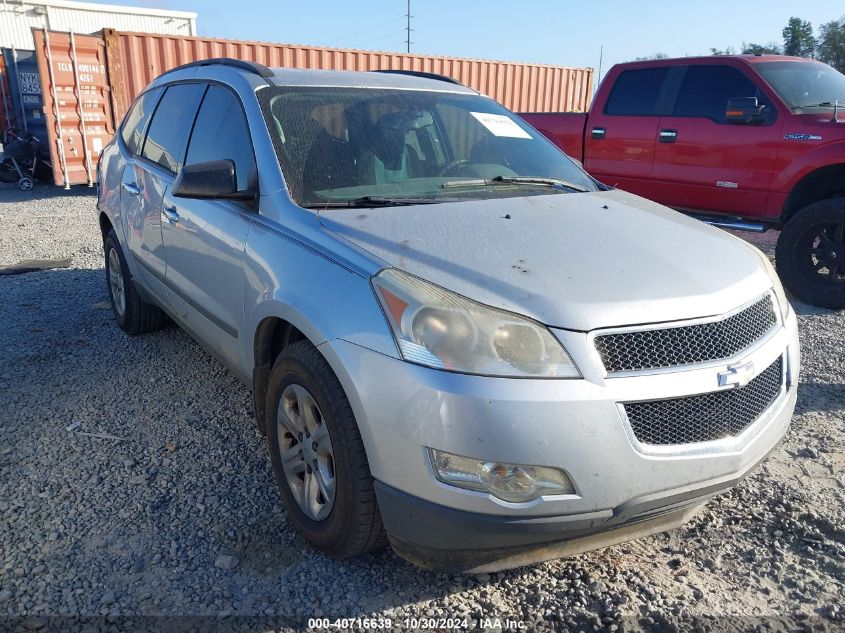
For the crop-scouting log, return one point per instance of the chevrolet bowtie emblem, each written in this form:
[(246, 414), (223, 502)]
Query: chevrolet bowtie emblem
[(737, 375)]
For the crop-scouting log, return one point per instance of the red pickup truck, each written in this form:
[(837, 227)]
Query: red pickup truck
[(748, 142)]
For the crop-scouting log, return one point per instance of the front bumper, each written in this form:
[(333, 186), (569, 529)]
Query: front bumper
[(574, 425)]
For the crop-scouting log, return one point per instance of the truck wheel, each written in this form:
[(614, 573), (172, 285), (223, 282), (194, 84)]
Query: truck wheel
[(133, 314), (810, 255), (318, 457)]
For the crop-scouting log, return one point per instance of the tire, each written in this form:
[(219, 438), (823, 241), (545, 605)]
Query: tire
[(810, 254), (133, 314), (25, 183), (351, 525)]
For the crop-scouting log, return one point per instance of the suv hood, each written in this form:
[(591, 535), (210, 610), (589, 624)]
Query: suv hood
[(576, 261)]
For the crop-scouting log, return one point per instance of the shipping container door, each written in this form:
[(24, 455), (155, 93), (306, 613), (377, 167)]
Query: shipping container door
[(77, 107)]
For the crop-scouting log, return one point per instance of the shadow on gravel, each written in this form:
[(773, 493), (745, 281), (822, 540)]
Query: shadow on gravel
[(9, 192)]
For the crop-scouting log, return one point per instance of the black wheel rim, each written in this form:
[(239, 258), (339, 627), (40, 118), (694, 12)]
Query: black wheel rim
[(827, 252)]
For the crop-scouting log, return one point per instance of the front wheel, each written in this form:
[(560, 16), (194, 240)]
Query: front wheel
[(810, 255), (318, 457)]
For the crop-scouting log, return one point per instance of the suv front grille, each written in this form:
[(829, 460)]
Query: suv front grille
[(688, 344), (708, 416)]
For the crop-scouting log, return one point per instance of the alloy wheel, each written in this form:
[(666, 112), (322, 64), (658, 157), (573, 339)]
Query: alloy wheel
[(827, 252)]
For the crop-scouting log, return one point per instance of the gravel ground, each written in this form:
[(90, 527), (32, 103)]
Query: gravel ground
[(170, 508)]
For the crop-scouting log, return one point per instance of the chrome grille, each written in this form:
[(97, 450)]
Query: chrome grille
[(688, 344), (708, 416)]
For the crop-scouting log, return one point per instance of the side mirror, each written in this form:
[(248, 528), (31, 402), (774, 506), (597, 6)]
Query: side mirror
[(745, 111), (208, 180)]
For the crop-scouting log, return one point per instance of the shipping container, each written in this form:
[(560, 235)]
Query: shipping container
[(7, 108), (130, 61), (19, 17), (77, 107), (25, 94)]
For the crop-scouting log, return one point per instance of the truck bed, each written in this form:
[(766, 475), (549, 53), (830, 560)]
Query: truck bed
[(564, 129)]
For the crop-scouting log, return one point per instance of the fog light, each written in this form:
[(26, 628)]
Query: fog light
[(516, 483)]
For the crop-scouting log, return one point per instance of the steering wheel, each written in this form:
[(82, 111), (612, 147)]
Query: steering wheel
[(453, 166)]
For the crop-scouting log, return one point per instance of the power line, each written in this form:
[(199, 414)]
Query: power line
[(368, 29)]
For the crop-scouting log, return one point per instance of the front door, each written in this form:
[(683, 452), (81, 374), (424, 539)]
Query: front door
[(204, 239), (703, 162)]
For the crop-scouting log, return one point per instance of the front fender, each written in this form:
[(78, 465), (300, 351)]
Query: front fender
[(316, 294), (826, 155)]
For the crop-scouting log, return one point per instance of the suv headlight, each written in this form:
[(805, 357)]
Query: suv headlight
[(440, 329), (777, 286)]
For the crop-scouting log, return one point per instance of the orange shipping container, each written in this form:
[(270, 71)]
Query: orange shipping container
[(133, 60)]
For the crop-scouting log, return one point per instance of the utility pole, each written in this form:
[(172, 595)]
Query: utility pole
[(408, 28)]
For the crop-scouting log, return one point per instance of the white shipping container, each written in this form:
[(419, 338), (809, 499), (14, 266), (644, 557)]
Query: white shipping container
[(19, 17)]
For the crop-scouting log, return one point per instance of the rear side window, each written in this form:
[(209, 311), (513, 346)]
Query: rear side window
[(706, 90), (136, 121), (221, 132), (637, 92), (172, 120)]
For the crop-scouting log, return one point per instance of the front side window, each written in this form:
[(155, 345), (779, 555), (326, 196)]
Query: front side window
[(804, 84), (706, 90), (136, 120), (339, 145), (221, 132), (637, 92), (171, 121)]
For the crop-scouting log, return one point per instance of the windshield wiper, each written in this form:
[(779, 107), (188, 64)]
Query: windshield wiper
[(371, 201), (531, 181), (822, 104)]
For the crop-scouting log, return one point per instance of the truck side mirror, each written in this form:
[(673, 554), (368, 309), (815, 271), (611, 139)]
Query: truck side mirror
[(745, 111)]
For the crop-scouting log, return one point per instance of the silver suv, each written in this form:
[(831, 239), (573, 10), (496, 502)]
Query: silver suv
[(457, 340)]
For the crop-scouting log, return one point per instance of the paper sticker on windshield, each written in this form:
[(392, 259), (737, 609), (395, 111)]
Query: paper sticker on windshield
[(500, 125)]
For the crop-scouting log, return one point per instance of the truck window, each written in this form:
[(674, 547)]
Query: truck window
[(636, 92), (706, 90)]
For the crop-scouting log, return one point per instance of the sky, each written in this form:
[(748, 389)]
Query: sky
[(538, 31)]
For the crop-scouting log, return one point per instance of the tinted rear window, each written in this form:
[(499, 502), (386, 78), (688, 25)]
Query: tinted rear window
[(636, 92), (172, 120), (706, 91), (136, 121)]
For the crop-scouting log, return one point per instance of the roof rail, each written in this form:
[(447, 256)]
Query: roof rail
[(419, 73), (251, 67)]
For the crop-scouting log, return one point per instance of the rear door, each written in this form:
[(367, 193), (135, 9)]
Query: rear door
[(620, 139), (141, 230), (154, 171), (204, 239), (701, 161)]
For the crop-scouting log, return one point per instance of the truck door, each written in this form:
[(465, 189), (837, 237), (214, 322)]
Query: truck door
[(702, 162), (621, 137)]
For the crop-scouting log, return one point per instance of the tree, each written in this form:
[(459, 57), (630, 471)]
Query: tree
[(832, 44), (730, 50), (652, 56), (798, 38), (759, 49)]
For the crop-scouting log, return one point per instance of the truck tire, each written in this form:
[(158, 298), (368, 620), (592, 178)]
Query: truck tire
[(133, 314), (318, 458), (810, 254)]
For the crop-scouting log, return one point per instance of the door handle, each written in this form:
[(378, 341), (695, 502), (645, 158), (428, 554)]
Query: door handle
[(668, 136), (131, 188), (169, 215), (598, 133)]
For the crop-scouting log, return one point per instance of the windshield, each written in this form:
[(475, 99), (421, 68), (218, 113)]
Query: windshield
[(359, 146), (804, 84)]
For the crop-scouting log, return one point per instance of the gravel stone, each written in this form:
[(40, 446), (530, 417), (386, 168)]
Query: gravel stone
[(188, 477)]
